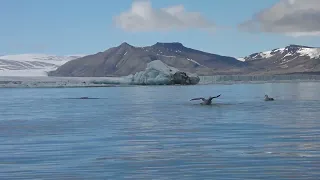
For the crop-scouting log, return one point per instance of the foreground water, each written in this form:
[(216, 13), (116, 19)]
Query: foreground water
[(157, 133)]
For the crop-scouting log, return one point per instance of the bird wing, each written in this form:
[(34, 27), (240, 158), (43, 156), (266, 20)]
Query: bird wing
[(197, 99), (216, 96)]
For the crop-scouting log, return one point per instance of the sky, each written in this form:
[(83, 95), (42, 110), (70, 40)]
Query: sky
[(226, 27)]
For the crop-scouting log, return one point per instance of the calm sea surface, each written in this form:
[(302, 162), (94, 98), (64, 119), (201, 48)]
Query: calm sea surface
[(157, 133)]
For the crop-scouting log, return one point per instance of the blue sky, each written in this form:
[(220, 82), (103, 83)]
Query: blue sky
[(66, 27)]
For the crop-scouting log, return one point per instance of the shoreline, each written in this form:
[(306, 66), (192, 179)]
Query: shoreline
[(94, 82)]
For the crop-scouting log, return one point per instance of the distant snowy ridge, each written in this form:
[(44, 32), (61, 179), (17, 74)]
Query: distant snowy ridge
[(287, 60), (32, 64), (41, 58), (289, 51)]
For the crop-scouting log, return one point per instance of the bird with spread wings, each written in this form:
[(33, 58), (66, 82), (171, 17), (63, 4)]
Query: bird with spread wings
[(204, 100)]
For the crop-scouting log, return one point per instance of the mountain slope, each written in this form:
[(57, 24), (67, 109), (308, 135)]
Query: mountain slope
[(126, 59), (291, 59), (31, 64)]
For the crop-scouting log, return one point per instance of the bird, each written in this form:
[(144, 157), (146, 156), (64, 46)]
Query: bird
[(267, 98), (205, 101)]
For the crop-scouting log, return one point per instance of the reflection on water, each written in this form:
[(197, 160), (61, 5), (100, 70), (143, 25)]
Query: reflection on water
[(157, 133)]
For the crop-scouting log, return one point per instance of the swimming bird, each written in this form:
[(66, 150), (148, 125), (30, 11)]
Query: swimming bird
[(206, 101), (84, 98), (267, 98)]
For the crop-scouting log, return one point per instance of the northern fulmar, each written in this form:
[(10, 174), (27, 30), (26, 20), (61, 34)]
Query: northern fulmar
[(206, 101), (267, 98)]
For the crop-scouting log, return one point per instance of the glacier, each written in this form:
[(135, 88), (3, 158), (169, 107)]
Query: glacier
[(32, 64)]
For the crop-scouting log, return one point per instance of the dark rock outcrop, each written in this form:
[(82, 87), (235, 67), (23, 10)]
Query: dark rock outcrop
[(183, 79)]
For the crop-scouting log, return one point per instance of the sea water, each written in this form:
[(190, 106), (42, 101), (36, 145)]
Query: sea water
[(155, 132)]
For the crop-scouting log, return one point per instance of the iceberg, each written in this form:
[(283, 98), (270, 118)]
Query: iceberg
[(158, 73)]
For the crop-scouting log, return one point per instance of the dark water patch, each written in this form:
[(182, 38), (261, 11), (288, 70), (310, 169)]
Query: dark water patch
[(85, 98)]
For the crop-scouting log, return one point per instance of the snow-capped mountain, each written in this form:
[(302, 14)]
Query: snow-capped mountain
[(287, 53), (290, 59), (126, 59), (32, 64)]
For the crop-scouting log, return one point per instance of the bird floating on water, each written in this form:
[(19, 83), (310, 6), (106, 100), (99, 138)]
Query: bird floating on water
[(267, 98), (205, 101)]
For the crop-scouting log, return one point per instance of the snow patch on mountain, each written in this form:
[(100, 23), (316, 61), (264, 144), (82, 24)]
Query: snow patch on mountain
[(191, 60), (311, 52), (266, 54), (241, 59)]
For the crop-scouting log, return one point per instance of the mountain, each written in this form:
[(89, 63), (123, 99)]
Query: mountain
[(32, 64), (126, 59), (288, 60)]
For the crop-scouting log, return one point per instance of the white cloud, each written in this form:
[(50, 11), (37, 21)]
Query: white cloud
[(142, 17), (289, 17)]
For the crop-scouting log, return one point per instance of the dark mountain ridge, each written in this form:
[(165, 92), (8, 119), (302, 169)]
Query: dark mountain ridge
[(126, 59)]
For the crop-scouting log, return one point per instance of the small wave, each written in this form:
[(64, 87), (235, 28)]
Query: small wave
[(214, 104), (85, 98)]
